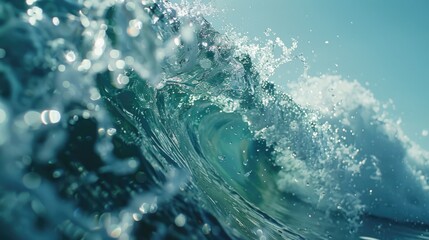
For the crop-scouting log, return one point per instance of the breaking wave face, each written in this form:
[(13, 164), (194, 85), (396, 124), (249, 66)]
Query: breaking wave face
[(136, 119)]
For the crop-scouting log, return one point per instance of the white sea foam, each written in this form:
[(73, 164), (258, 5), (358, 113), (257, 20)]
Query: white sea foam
[(389, 171)]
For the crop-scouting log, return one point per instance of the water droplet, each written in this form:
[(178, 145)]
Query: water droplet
[(73, 120), (86, 114), (30, 2), (32, 119), (31, 180), (70, 56), (57, 173), (61, 68), (137, 216), (34, 14), (129, 60), (50, 117), (94, 94), (55, 21), (132, 163), (206, 229), (144, 208), (114, 53), (180, 220), (177, 41), (116, 232), (134, 27), (84, 65), (111, 131), (120, 64), (121, 81)]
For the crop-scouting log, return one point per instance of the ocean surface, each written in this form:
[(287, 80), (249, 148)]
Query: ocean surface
[(139, 120)]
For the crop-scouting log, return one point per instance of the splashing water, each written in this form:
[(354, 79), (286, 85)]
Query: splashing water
[(136, 119)]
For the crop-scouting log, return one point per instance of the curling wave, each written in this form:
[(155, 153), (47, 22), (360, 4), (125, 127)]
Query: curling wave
[(123, 119)]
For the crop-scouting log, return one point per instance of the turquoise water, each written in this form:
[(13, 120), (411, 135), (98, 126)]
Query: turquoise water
[(138, 120)]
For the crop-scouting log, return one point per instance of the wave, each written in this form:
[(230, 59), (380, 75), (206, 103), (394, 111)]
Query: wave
[(127, 119), (388, 170)]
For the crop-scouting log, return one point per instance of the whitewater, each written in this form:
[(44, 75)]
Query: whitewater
[(139, 120)]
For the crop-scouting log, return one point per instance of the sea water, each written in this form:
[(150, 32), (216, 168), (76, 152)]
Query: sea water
[(138, 120)]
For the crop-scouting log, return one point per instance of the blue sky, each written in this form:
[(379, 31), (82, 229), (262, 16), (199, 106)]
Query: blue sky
[(382, 44)]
